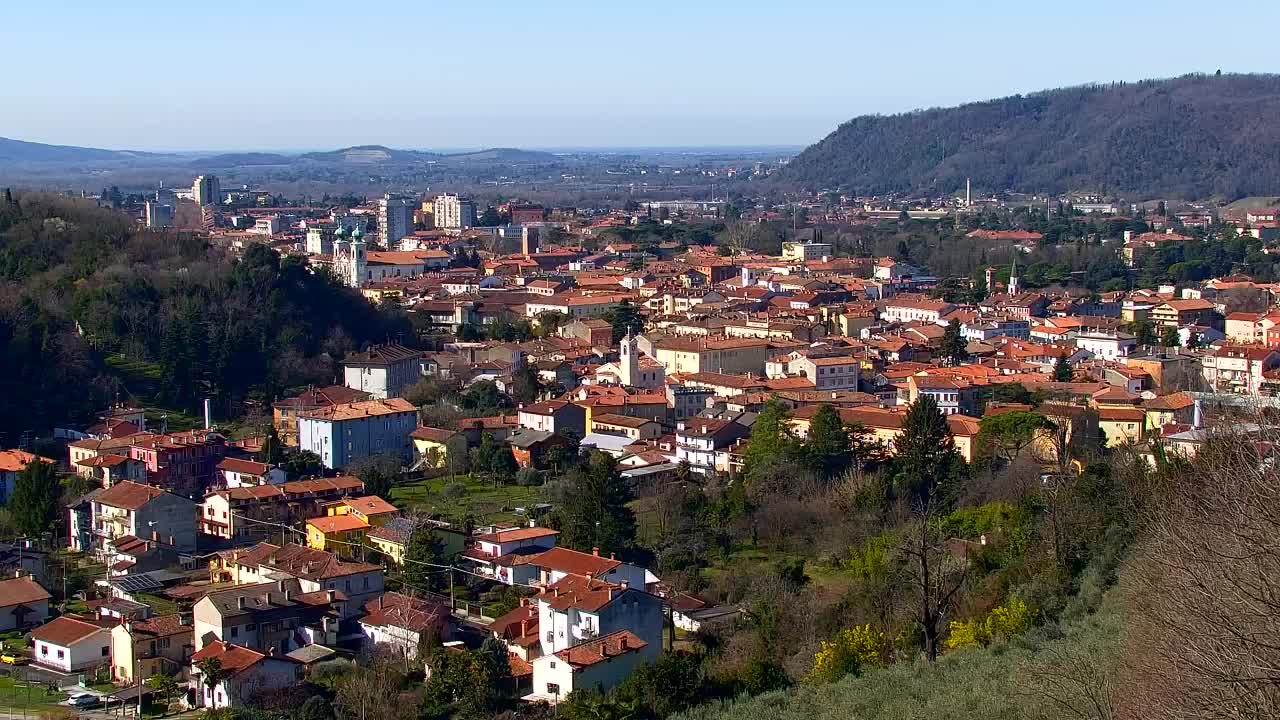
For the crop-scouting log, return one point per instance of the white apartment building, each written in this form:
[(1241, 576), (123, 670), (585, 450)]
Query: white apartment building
[(453, 212)]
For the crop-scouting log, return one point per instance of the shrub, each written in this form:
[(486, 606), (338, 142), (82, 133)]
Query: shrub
[(453, 491), (847, 653)]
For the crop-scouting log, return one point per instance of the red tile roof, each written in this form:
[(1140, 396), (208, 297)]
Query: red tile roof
[(602, 648), (128, 495), (19, 591), (64, 631)]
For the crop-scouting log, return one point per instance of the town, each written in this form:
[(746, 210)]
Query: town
[(590, 431)]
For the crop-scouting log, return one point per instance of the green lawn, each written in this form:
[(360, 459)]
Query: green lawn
[(159, 605), (481, 500), (14, 695)]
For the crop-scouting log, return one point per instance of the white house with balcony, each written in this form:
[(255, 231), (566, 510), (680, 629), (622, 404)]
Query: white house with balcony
[(698, 439)]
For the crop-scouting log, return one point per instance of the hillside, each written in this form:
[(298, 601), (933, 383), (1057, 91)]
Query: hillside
[(1193, 136), (23, 151)]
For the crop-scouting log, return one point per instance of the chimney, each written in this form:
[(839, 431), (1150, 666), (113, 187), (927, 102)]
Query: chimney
[(622, 642), (240, 602), (271, 651), (171, 542), (330, 595), (604, 650), (280, 585), (288, 596), (155, 536), (595, 551), (380, 602), (611, 556), (267, 598), (184, 618), (524, 628)]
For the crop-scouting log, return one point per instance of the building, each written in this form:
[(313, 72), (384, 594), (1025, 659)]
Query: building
[(454, 213), (395, 219), (350, 258), (342, 434), (403, 623), (158, 214), (1180, 313), (806, 251), (553, 416), (245, 675), (1108, 345), (128, 509), (907, 308), (731, 356), (206, 190), (13, 462), (342, 535), (159, 645), (316, 570), (184, 462), (1239, 368), (23, 603), (633, 428), (600, 665), (67, 644), (284, 414), (699, 440), (247, 513), (277, 616), (382, 371), (236, 472)]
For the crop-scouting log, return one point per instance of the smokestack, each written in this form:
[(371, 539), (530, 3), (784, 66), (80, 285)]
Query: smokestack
[(240, 602), (968, 193), (208, 414)]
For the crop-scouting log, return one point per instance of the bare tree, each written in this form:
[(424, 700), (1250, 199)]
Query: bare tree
[(1205, 587)]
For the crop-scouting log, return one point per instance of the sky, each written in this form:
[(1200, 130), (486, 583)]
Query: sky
[(286, 75)]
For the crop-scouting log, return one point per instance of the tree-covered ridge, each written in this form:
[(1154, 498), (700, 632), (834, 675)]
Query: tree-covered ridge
[(80, 286), (1193, 136)]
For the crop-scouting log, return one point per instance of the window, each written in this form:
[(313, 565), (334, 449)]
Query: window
[(61, 654), (44, 649), (553, 689), (106, 650), (235, 631), (251, 626), (553, 664)]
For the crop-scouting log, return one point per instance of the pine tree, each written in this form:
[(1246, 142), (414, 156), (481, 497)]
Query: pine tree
[(34, 504), (272, 451), (954, 348), (626, 320), (524, 384), (771, 437), (827, 443), (592, 509), (424, 547), (925, 453), (1062, 369)]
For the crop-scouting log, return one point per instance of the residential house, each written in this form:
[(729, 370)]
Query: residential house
[(248, 513), (342, 535), (906, 308), (67, 644), (23, 603), (392, 538), (598, 665), (554, 416), (184, 462), (1176, 313), (403, 622), (343, 434), (274, 615), (699, 440), (530, 447), (383, 371), (236, 473), (132, 509), (1108, 345), (635, 428), (491, 551), (1239, 368), (158, 645), (316, 570), (1121, 425), (284, 414), (732, 356), (244, 675)]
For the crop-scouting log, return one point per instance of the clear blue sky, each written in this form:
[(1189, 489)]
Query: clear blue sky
[(290, 75)]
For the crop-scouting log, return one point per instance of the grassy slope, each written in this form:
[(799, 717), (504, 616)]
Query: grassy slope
[(482, 500), (997, 683)]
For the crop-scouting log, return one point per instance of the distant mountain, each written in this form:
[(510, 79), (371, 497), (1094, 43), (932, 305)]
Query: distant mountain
[(1193, 136), (502, 155), (369, 154), (242, 159), (13, 151)]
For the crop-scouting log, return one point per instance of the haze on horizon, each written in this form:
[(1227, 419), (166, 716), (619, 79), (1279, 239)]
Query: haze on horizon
[(293, 76)]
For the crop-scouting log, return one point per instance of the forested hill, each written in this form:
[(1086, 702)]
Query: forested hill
[(82, 289), (1192, 137)]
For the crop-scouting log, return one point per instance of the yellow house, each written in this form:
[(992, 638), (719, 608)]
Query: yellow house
[(432, 445), (1121, 425), (341, 534), (372, 509)]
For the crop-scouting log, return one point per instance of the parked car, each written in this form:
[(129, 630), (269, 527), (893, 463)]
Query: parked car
[(84, 700), (12, 659)]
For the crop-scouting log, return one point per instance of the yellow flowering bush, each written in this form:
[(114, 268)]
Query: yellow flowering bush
[(846, 653), (1007, 621)]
